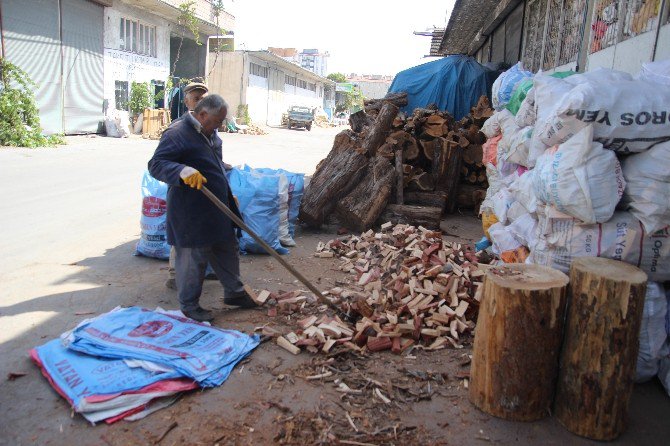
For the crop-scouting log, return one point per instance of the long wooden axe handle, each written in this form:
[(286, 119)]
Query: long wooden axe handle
[(238, 221)]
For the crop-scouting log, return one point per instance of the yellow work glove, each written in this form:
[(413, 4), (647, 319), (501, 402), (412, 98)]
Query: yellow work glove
[(192, 177)]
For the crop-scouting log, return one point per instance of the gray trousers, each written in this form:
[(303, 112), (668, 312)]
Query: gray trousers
[(190, 266)]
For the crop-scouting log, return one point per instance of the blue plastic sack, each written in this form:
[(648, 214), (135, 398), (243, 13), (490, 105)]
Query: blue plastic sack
[(506, 84), (77, 376), (258, 197), (204, 353), (153, 239), (296, 189)]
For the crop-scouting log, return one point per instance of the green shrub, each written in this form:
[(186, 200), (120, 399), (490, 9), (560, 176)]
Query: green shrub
[(243, 114), (19, 116), (140, 97)]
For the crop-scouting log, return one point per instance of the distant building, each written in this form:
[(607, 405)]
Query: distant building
[(310, 59), (372, 86), (268, 85), (84, 54)]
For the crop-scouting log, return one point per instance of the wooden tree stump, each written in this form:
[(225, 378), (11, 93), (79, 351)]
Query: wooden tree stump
[(361, 208), (517, 341), (600, 349), (436, 199)]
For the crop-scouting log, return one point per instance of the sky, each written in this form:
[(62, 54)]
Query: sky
[(362, 37)]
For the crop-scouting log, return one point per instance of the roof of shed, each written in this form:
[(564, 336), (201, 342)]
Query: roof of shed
[(465, 21)]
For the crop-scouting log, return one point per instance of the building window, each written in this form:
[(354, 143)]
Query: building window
[(618, 20), (311, 87), (258, 70), (121, 95), (137, 37), (290, 80), (302, 84)]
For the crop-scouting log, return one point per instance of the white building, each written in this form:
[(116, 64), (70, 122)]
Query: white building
[(144, 43), (84, 54), (372, 86), (314, 61), (268, 85)]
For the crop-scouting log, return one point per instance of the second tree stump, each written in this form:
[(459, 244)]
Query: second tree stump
[(517, 341), (600, 348)]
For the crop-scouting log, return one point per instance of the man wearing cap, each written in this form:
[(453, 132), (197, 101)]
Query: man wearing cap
[(193, 93), (188, 156)]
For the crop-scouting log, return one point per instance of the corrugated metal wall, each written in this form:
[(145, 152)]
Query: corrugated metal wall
[(31, 30), (59, 45), (82, 66)]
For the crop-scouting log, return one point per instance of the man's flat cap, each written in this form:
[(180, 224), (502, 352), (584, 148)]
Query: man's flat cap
[(195, 86)]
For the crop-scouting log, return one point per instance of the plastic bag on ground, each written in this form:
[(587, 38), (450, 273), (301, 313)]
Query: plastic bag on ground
[(523, 192), (488, 219), (519, 146), (647, 194), (526, 115), (506, 84), (519, 95), (621, 238), (153, 237), (258, 196), (652, 332), (502, 239), (100, 388), (524, 229), (580, 178), (493, 126), (195, 350)]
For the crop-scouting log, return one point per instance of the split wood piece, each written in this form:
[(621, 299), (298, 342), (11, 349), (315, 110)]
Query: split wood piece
[(399, 186), (423, 182), (482, 111), (378, 344), (407, 143), (285, 344), (434, 125), (378, 131), (600, 349), (428, 147), (362, 206), (446, 170), (474, 135), (470, 196), (426, 216), (435, 198), (517, 341), (336, 176), (387, 150), (359, 120), (473, 154)]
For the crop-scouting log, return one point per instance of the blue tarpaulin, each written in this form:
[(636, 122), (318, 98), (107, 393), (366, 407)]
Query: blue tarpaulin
[(454, 83)]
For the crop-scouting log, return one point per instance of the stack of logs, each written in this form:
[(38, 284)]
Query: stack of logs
[(403, 169), (411, 288)]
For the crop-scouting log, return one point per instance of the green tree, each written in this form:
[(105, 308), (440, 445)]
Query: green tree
[(337, 77), (353, 101), (19, 116)]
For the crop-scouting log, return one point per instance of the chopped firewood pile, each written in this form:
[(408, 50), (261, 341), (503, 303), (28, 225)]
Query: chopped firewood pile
[(411, 288), (403, 169)]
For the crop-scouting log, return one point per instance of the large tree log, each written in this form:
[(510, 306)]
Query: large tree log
[(379, 130), (334, 178), (517, 341), (397, 99), (435, 199), (600, 347), (359, 120), (425, 216), (345, 140), (363, 205), (399, 174), (446, 170)]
